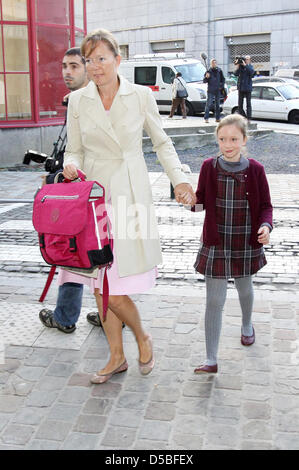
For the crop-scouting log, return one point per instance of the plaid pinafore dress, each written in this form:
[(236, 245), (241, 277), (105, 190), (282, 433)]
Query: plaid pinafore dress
[(234, 256)]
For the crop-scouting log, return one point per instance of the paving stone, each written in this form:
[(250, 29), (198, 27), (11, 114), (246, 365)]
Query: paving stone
[(186, 442), (98, 406), (126, 418), (224, 435), (119, 437), (17, 434), (257, 429), (64, 412), (257, 410), (41, 444), (286, 441), (107, 390), (10, 404), (80, 380), (256, 445), (76, 395), (41, 399), (90, 424), (29, 416), (229, 382), (60, 369), (31, 373), (132, 400), (197, 389), (53, 430), (4, 419), (154, 429), (192, 406), (165, 394), (160, 411), (190, 424), (51, 384), (80, 441), (144, 444)]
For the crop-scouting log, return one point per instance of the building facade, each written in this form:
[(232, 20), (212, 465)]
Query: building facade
[(267, 30), (34, 35)]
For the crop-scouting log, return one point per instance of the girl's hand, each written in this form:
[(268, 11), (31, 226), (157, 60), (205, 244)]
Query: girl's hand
[(70, 172), (264, 235)]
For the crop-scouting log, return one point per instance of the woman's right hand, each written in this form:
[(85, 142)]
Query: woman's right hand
[(70, 172)]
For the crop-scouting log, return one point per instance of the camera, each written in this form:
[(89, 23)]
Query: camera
[(239, 60), (54, 162)]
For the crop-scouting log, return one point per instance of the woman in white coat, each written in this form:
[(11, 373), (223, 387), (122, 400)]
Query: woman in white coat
[(105, 127)]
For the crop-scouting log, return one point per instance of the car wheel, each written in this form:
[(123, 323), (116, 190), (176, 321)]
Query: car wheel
[(189, 109), (235, 110), (294, 117)]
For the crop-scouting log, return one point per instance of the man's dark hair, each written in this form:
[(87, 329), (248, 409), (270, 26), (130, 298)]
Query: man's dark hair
[(75, 51), (179, 74)]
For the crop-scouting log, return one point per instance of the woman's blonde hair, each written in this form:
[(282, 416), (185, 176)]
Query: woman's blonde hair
[(234, 120), (92, 39)]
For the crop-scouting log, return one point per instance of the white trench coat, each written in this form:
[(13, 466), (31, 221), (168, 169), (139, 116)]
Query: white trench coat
[(108, 148)]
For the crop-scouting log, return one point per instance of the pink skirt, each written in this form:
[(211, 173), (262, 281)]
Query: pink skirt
[(135, 284)]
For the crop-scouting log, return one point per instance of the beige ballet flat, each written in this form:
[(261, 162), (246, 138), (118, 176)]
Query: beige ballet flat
[(102, 378)]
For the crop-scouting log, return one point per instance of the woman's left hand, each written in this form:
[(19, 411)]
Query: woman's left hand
[(184, 194), (264, 235)]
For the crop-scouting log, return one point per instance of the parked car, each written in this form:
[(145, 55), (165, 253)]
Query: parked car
[(231, 83), (157, 71), (271, 100), (262, 79), (288, 73)]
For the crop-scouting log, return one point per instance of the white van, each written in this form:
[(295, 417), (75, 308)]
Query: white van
[(288, 73), (157, 71)]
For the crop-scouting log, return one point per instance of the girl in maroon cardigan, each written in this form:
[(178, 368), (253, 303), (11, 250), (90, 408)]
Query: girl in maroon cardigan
[(234, 192)]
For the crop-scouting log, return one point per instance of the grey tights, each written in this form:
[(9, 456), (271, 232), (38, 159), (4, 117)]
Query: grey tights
[(216, 296)]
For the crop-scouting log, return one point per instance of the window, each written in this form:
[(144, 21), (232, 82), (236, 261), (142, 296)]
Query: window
[(52, 11), (14, 10), (256, 92), (269, 93), (289, 92), (167, 75), (145, 75), (34, 35), (124, 51), (191, 72), (52, 43)]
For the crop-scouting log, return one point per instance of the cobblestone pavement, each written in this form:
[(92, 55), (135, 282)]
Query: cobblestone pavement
[(47, 401)]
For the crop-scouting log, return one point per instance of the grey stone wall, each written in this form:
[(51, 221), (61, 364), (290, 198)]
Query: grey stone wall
[(15, 142), (203, 24)]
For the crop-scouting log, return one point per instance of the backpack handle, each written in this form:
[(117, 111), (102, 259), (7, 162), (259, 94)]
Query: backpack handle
[(81, 177)]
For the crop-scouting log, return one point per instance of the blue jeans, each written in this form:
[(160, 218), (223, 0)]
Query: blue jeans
[(69, 302), (209, 103)]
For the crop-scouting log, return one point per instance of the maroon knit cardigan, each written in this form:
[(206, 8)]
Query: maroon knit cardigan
[(258, 196)]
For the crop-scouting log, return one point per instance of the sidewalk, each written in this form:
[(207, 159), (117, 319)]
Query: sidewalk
[(46, 399)]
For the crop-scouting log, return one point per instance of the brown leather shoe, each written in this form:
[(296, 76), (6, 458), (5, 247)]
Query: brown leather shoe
[(248, 340), (205, 369)]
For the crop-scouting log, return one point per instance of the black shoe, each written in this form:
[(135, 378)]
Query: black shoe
[(94, 319), (47, 318)]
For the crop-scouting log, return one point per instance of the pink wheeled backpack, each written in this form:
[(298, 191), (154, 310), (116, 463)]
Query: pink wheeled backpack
[(74, 228)]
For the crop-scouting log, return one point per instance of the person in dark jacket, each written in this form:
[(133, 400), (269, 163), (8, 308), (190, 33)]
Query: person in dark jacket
[(245, 72), (215, 79)]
